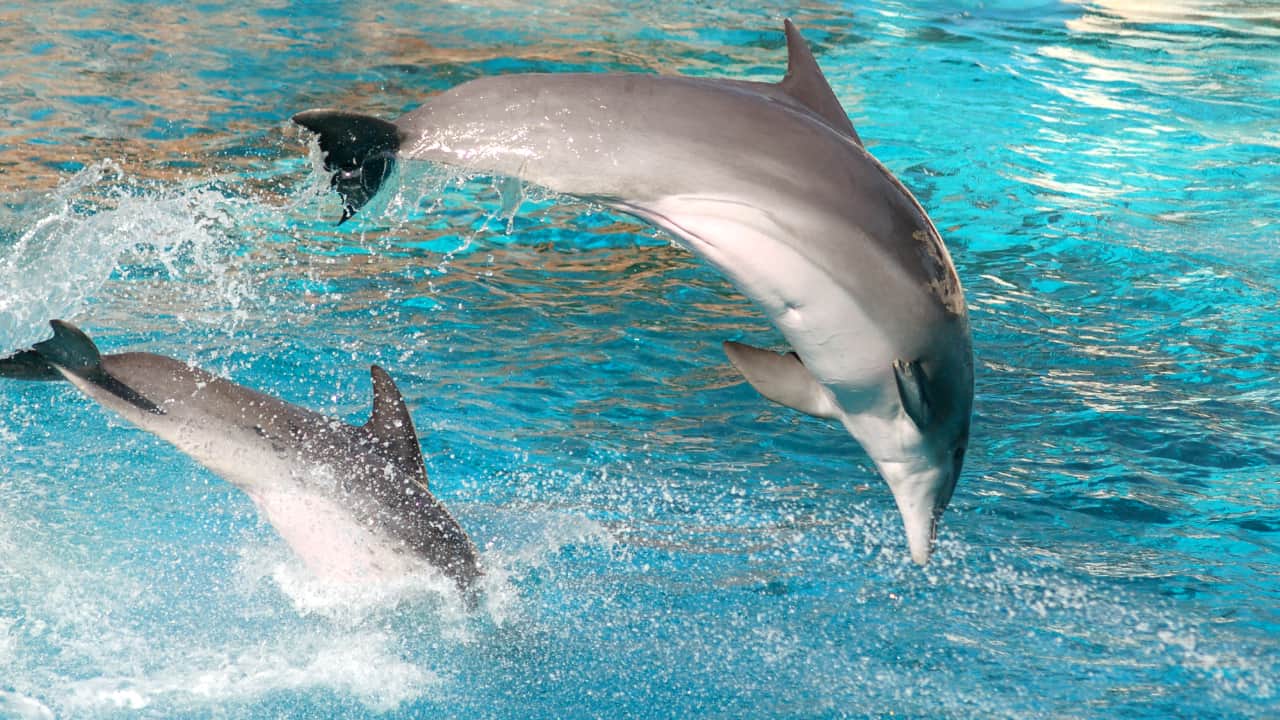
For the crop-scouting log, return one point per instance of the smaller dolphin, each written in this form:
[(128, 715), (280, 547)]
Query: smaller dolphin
[(352, 502)]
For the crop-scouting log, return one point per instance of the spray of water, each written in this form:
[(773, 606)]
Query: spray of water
[(94, 226)]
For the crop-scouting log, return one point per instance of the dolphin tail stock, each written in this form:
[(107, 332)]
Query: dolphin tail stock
[(358, 149), (73, 353)]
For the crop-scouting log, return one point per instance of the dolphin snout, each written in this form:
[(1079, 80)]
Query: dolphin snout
[(922, 528), (921, 496)]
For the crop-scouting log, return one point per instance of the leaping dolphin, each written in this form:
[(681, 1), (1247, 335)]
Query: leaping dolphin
[(351, 502), (769, 183)]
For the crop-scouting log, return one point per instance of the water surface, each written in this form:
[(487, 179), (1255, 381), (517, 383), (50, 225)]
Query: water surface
[(660, 540)]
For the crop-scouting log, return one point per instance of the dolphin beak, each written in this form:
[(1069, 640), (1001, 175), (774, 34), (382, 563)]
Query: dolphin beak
[(922, 525), (921, 499)]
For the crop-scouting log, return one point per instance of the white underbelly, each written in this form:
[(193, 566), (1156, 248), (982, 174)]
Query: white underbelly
[(835, 336), (330, 541), (300, 500)]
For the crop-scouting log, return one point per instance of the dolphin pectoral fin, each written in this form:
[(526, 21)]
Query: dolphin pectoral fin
[(392, 427), (73, 353), (805, 82), (912, 392), (782, 379), (28, 365), (358, 149)]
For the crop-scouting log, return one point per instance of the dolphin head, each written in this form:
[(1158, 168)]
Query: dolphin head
[(922, 484), (920, 450)]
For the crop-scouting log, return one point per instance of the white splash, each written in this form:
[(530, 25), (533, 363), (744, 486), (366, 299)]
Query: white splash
[(364, 665), (20, 707), (81, 233), (346, 604), (8, 643)]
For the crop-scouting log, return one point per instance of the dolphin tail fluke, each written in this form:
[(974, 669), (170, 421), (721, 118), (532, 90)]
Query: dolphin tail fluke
[(73, 353), (358, 149), (28, 365), (70, 349)]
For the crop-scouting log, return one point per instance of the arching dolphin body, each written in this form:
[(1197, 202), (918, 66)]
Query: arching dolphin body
[(352, 502), (769, 183)]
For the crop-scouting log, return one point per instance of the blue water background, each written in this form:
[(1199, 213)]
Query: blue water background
[(661, 541)]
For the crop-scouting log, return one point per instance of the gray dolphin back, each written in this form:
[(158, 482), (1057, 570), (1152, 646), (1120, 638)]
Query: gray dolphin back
[(360, 150)]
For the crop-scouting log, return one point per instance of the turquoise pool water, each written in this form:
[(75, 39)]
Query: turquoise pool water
[(661, 542)]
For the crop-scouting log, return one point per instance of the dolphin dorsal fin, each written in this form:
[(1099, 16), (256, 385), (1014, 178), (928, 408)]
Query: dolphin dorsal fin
[(805, 83), (783, 379), (391, 425)]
